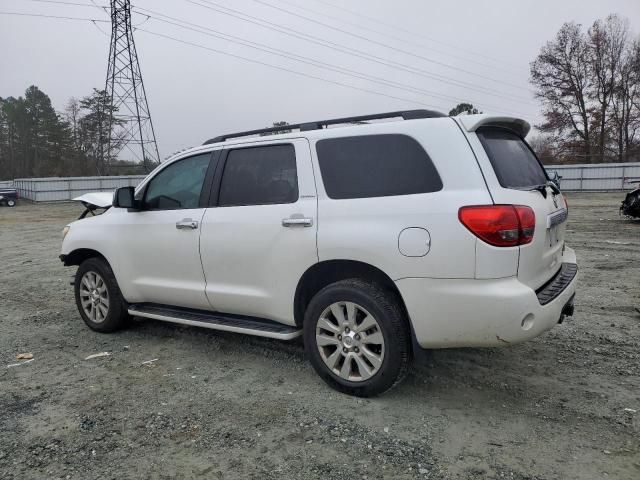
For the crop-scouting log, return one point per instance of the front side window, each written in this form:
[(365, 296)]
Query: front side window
[(259, 176), (375, 166), (178, 186), (515, 164)]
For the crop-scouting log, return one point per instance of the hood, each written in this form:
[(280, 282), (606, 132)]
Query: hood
[(96, 199)]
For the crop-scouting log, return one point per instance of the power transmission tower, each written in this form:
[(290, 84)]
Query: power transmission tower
[(128, 126)]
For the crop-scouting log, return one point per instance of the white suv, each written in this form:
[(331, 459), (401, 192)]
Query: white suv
[(373, 241)]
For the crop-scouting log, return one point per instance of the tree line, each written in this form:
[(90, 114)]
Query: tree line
[(37, 141), (588, 82)]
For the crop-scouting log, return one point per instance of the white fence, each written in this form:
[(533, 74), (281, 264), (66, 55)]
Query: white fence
[(587, 177), (597, 177), (59, 189), (6, 184)]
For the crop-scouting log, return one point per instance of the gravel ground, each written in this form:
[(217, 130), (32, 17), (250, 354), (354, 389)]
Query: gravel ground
[(215, 405)]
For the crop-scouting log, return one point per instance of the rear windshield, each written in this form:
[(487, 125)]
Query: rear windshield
[(513, 161)]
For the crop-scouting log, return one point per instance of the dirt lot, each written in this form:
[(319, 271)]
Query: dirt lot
[(215, 405)]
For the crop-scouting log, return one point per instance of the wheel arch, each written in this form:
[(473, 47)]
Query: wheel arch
[(79, 255), (326, 272)]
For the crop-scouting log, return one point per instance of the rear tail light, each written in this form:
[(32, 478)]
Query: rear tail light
[(500, 225)]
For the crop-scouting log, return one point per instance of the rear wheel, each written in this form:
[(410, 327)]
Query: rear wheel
[(98, 296), (357, 337), (11, 203)]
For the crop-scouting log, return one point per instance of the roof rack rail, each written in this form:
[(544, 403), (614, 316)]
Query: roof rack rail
[(317, 125)]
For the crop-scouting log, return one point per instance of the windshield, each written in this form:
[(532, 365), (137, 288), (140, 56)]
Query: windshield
[(515, 164)]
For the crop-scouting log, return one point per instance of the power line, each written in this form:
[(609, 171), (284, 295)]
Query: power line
[(299, 58), (374, 92), (351, 51), (60, 2), (99, 29), (277, 67), (57, 17), (420, 35), (399, 39), (390, 47)]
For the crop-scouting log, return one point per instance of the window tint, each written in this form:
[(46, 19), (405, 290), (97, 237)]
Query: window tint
[(259, 176), (179, 185), (513, 161), (375, 166)]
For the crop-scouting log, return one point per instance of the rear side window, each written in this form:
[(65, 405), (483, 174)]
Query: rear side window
[(259, 176), (513, 161), (375, 166)]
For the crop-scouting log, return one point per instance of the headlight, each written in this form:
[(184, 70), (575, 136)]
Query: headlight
[(65, 230)]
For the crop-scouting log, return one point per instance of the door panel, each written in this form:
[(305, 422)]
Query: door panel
[(160, 257), (254, 254), (163, 264)]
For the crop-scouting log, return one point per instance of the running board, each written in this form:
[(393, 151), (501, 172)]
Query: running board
[(215, 321)]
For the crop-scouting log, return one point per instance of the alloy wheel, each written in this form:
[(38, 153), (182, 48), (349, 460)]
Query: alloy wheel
[(94, 297), (350, 341)]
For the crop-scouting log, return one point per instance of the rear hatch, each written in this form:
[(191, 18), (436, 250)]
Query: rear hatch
[(520, 179)]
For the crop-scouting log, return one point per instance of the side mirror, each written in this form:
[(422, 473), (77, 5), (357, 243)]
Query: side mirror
[(124, 198)]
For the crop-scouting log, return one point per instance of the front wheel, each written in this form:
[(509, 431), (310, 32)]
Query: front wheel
[(357, 338), (11, 203), (98, 296)]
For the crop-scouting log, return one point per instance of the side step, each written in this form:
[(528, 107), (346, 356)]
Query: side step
[(215, 321)]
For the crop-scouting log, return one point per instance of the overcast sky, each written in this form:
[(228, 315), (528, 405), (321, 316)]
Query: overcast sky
[(476, 51)]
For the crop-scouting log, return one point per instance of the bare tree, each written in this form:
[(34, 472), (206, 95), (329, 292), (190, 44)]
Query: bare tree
[(463, 109), (589, 85), (561, 75), (72, 116), (626, 104), (277, 124), (607, 40)]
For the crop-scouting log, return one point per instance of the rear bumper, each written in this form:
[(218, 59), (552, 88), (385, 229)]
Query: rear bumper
[(474, 313)]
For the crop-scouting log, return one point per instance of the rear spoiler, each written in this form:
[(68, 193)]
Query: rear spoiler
[(472, 122)]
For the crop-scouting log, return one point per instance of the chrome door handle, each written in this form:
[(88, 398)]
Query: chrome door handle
[(186, 223), (297, 222)]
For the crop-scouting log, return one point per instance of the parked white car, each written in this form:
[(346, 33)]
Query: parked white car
[(373, 240)]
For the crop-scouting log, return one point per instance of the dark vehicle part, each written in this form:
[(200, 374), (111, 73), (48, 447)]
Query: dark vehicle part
[(89, 208), (568, 309), (631, 204), (8, 197), (319, 124)]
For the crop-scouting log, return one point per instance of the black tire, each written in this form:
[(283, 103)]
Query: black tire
[(116, 316), (11, 203), (384, 307)]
